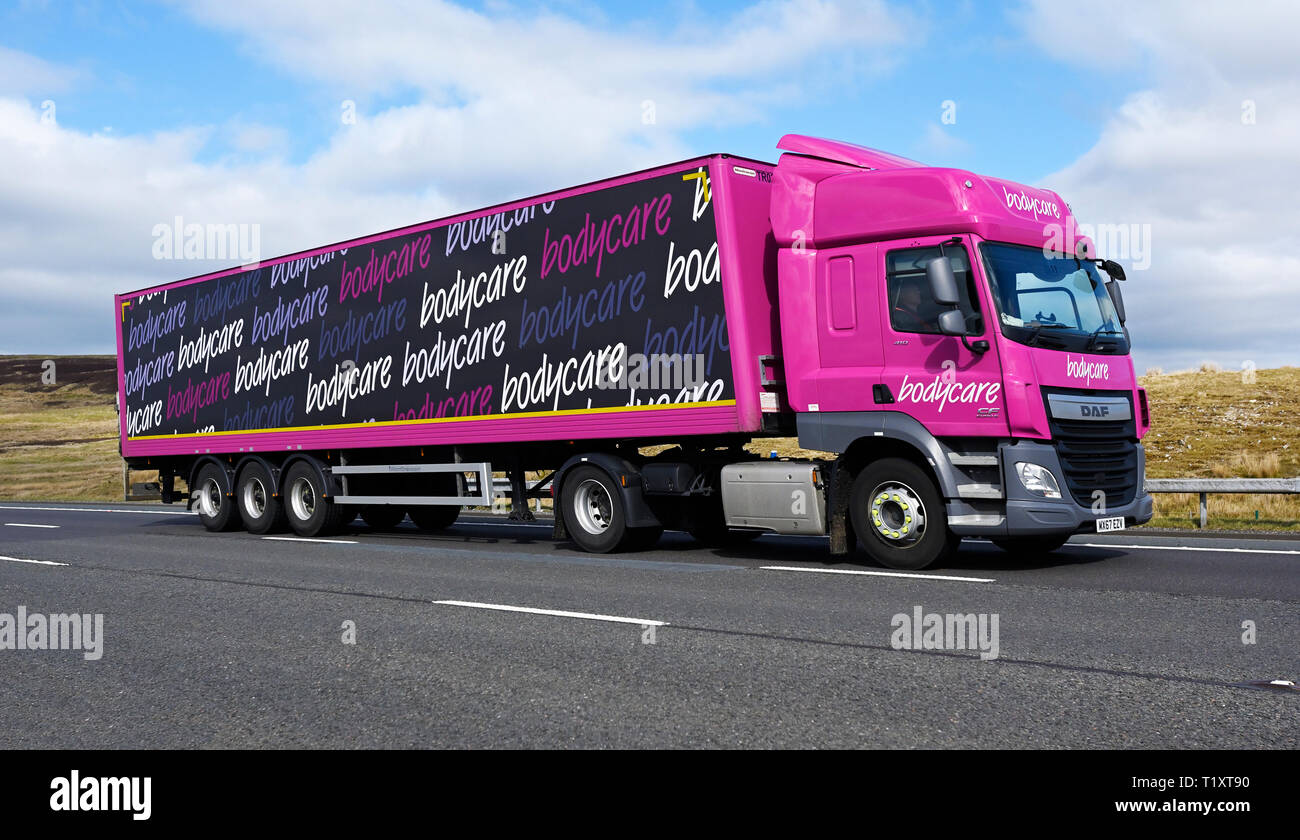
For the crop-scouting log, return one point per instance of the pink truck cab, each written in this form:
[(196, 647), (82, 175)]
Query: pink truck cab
[(1011, 378), (947, 339)]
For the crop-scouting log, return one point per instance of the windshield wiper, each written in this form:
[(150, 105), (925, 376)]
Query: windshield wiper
[(1032, 341), (1108, 328)]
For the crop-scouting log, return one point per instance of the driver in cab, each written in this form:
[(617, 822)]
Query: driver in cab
[(906, 314)]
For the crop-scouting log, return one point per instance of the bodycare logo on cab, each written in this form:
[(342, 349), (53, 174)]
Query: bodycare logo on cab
[(1031, 204), (1089, 372)]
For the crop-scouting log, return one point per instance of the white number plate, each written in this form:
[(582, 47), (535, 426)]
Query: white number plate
[(1113, 523)]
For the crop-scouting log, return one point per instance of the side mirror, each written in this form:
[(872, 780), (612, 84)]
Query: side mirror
[(952, 321), (1117, 298), (943, 285), (1114, 269)]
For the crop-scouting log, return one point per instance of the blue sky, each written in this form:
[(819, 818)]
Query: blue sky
[(230, 111), (143, 67)]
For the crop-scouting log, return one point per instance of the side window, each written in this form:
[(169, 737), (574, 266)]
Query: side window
[(912, 308)]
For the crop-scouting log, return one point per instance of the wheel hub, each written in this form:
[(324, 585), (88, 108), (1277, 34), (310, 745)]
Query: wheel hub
[(303, 499), (210, 499), (593, 507), (897, 513), (255, 498)]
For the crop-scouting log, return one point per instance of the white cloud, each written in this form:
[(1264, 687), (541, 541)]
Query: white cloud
[(1219, 193), (507, 103), (26, 75), (942, 146), (255, 137)]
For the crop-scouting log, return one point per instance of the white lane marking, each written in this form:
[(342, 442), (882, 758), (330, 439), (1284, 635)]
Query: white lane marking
[(1190, 548), (36, 562), (311, 540), (102, 510), (27, 525), (644, 622), (876, 574)]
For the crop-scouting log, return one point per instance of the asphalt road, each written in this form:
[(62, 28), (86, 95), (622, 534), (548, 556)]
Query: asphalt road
[(492, 635)]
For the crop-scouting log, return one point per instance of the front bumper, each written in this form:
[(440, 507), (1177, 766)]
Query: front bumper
[(1044, 517), (1021, 514)]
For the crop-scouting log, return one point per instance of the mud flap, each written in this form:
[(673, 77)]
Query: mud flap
[(839, 525)]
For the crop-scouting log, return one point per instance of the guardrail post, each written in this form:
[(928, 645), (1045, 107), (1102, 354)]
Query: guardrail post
[(1205, 510)]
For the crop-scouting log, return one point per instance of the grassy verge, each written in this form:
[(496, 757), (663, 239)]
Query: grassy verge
[(59, 441)]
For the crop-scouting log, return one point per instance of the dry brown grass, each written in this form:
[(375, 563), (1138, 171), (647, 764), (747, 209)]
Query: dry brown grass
[(57, 442), (1221, 424), (1247, 464)]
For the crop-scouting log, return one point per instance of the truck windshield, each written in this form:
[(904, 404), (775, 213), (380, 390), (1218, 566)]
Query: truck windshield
[(1052, 300)]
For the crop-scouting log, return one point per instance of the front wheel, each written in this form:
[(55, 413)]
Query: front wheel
[(899, 516)]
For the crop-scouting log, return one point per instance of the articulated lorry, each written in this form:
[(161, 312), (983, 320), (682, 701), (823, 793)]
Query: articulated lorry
[(948, 341)]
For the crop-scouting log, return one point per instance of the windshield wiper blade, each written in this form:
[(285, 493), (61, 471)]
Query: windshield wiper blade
[(1108, 328), (1032, 341)]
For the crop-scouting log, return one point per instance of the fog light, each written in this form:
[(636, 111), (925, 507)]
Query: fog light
[(1038, 480)]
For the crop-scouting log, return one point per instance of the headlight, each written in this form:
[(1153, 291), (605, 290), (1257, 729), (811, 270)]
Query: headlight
[(1038, 480)]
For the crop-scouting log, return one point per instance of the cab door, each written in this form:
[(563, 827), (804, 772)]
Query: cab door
[(952, 389)]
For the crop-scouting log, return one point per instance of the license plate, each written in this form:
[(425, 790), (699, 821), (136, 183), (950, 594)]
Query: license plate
[(1113, 523)]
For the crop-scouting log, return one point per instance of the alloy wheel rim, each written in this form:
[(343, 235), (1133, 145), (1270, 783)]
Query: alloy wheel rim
[(255, 498), (897, 514), (303, 499), (593, 507)]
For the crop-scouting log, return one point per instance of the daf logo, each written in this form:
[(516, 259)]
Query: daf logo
[(1071, 407)]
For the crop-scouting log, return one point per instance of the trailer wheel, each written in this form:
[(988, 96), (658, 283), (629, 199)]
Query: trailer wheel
[(434, 517), (383, 517), (1031, 546), (259, 506), (217, 512), (309, 511), (593, 510), (899, 516)]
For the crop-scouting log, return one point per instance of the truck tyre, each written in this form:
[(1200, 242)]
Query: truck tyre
[(217, 511), (1031, 546), (383, 517), (309, 511), (259, 506), (434, 517), (593, 510), (899, 516)]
